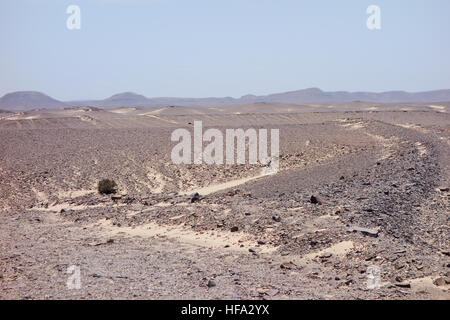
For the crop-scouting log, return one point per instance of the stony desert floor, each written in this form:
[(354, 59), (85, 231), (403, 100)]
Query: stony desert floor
[(380, 173)]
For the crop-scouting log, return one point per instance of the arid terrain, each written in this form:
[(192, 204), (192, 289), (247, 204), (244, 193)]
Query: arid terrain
[(360, 186)]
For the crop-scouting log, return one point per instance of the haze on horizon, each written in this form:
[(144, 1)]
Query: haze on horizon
[(221, 48)]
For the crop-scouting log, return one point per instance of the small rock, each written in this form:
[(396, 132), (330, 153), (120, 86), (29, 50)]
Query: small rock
[(234, 229), (116, 197), (261, 242), (316, 200), (441, 281), (287, 265), (276, 218), (211, 283), (195, 197), (365, 231), (371, 257), (403, 285), (254, 250)]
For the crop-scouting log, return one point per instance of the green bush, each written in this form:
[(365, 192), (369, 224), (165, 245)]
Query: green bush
[(107, 186)]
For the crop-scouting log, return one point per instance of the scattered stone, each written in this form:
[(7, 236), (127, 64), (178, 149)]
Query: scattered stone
[(261, 242), (444, 189), (96, 244), (326, 255), (287, 265), (316, 200), (234, 229), (211, 283), (254, 250), (371, 257), (276, 218), (365, 231), (445, 252), (62, 211), (441, 281), (116, 197), (195, 197), (403, 284)]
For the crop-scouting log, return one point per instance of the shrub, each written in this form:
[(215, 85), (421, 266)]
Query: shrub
[(107, 186)]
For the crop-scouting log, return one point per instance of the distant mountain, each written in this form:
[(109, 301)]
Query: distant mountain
[(315, 95), (30, 100), (125, 99), (23, 100)]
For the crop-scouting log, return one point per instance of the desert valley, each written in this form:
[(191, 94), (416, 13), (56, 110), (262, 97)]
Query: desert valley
[(361, 185)]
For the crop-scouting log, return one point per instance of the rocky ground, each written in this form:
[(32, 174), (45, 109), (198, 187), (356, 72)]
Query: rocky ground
[(357, 191)]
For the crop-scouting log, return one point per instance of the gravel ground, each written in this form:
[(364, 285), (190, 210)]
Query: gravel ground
[(356, 192)]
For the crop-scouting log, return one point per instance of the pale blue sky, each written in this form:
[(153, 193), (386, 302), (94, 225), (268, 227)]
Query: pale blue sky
[(200, 48)]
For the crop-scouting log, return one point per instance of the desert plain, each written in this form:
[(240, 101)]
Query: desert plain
[(360, 187)]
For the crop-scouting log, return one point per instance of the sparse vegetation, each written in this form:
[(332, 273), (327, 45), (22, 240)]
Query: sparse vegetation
[(107, 186)]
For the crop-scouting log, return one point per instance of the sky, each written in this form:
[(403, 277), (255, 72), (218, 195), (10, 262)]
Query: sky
[(206, 48)]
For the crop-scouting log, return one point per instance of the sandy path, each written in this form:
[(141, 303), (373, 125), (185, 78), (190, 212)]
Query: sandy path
[(222, 186)]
